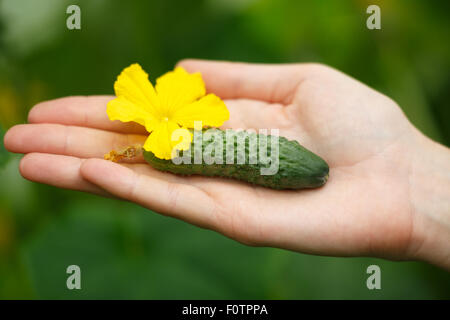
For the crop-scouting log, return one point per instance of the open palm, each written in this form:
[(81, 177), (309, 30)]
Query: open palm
[(363, 209)]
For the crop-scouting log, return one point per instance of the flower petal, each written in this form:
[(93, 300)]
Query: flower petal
[(160, 141), (124, 110), (135, 93), (211, 110), (177, 88)]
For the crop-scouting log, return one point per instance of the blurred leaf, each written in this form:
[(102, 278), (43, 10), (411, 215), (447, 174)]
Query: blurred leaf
[(4, 155), (26, 20)]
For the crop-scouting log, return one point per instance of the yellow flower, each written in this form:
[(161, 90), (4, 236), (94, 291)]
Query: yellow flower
[(177, 100)]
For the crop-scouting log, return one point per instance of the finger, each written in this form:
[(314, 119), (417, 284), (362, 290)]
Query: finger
[(81, 111), (67, 140), (181, 201), (56, 170), (232, 80), (147, 169)]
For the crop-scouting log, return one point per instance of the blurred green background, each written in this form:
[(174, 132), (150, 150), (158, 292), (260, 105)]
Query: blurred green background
[(125, 251)]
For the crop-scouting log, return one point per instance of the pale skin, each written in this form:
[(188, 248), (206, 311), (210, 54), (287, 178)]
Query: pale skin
[(388, 194)]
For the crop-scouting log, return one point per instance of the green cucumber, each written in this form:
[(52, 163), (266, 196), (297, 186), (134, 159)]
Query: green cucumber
[(297, 167)]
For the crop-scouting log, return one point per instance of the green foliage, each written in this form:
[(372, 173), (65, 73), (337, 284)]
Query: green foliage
[(128, 252), (4, 155)]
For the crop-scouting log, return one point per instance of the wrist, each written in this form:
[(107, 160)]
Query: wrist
[(430, 202)]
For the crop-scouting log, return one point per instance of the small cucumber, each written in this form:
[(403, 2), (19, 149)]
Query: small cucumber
[(297, 168)]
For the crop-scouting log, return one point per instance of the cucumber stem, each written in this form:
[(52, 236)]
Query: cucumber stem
[(128, 153)]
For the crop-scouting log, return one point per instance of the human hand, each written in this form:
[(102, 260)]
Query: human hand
[(372, 205)]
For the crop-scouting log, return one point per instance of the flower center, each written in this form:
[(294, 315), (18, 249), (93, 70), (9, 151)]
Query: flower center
[(165, 119)]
